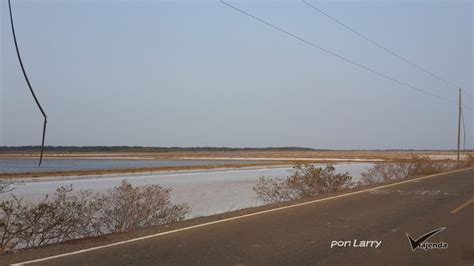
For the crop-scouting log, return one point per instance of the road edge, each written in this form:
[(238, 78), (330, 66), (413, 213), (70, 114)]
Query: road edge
[(234, 218)]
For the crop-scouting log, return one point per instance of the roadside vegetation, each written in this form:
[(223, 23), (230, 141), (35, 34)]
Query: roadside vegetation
[(416, 166), (469, 162), (68, 215), (309, 180), (403, 168), (6, 185)]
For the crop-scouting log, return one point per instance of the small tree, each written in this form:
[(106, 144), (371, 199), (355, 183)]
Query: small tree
[(6, 185), (403, 168), (468, 161), (423, 165), (127, 208), (67, 215), (384, 171), (307, 181)]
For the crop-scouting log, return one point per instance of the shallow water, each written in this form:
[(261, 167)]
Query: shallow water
[(51, 165), (206, 191)]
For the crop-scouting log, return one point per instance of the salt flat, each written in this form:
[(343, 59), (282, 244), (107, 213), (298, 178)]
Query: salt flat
[(206, 191)]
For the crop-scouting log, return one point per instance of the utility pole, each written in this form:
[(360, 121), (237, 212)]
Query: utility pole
[(459, 123)]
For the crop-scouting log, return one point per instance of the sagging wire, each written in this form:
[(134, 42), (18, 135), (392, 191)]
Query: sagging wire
[(29, 84)]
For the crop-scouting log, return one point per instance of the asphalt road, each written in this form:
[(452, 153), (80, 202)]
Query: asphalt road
[(303, 235)]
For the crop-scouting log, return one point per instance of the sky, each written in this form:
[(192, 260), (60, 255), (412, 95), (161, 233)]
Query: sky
[(198, 73)]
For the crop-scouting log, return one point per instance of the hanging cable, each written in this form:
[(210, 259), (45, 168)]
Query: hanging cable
[(29, 84), (340, 56), (452, 84)]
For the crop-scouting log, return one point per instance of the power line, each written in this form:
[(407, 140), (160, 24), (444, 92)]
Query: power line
[(28, 82), (466, 92), (386, 49), (467, 107), (381, 46), (337, 55)]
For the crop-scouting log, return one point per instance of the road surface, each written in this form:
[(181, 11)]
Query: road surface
[(303, 234)]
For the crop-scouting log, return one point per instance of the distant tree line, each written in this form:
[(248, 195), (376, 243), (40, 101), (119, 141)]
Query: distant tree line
[(180, 149), (143, 149)]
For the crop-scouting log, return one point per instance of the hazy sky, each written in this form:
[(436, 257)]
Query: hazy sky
[(197, 73)]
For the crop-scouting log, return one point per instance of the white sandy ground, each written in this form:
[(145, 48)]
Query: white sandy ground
[(283, 159), (446, 156), (206, 191), (431, 156)]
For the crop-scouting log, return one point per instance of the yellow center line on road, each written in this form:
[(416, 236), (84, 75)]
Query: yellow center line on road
[(462, 206)]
